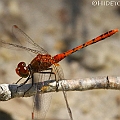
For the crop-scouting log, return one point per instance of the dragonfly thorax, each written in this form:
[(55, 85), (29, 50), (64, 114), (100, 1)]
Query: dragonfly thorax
[(22, 70), (41, 62)]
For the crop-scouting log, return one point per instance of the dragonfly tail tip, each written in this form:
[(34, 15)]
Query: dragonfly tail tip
[(116, 30)]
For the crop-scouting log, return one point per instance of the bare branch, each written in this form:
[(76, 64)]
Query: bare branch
[(9, 91)]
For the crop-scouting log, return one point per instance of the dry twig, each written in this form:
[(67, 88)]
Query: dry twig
[(10, 91)]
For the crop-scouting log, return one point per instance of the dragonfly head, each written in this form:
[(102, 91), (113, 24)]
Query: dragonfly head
[(22, 70)]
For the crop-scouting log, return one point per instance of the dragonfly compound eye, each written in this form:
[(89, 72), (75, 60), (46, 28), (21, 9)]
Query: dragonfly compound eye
[(22, 70)]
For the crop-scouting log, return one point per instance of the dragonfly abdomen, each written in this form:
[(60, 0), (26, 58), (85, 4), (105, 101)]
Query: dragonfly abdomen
[(61, 56)]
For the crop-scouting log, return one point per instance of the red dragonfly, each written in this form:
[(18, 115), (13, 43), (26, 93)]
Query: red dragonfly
[(44, 61)]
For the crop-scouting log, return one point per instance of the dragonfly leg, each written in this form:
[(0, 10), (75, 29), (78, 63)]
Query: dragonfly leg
[(51, 72), (57, 83), (18, 80), (31, 77)]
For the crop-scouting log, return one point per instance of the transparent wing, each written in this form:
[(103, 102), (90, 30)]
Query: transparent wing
[(17, 47), (23, 39), (41, 101), (60, 76), (24, 42), (41, 105), (57, 69)]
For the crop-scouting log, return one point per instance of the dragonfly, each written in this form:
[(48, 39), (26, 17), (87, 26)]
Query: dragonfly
[(43, 62)]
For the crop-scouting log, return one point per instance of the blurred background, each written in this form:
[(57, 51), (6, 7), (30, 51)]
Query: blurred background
[(59, 25)]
